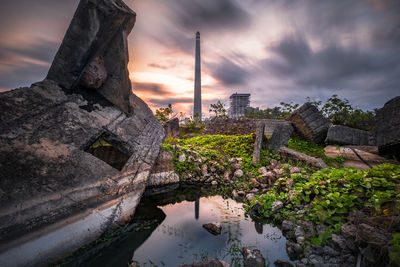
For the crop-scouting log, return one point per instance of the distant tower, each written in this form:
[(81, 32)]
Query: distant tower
[(197, 81)]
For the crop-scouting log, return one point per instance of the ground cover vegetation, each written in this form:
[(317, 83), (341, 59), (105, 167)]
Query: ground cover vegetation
[(329, 198), (315, 150)]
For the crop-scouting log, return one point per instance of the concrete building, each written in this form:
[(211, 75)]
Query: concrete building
[(197, 81), (238, 104)]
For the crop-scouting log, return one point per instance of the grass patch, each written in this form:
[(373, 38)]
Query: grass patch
[(315, 150)]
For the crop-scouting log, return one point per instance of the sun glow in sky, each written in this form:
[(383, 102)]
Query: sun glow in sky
[(276, 50)]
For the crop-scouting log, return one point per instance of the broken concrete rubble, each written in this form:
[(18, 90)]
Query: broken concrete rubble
[(357, 157), (98, 29), (52, 187), (258, 143), (388, 128), (309, 123), (281, 136), (172, 128), (163, 172), (343, 135)]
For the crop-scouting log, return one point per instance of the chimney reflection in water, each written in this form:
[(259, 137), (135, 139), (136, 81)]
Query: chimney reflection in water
[(196, 208)]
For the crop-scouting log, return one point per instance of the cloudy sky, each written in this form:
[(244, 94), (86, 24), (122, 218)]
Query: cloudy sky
[(277, 50)]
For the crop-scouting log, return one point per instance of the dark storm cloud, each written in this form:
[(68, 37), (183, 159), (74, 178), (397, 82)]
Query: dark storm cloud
[(293, 54), (23, 75), (207, 16), (20, 12), (166, 101), (42, 50), (331, 67), (228, 72), (155, 88), (21, 25), (210, 15), (293, 49)]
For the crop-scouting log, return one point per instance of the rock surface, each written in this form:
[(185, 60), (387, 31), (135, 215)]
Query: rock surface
[(343, 135), (252, 258), (172, 128), (271, 124), (309, 123), (280, 137), (357, 157), (388, 128), (94, 75), (282, 263), (98, 29), (50, 177), (163, 171), (213, 228), (210, 262)]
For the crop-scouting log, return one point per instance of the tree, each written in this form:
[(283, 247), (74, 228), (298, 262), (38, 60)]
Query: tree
[(219, 110), (337, 110), (164, 114)]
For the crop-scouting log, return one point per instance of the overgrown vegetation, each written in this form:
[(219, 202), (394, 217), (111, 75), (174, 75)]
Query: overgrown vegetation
[(338, 111), (217, 149), (192, 127), (328, 196), (315, 150), (167, 113), (99, 143)]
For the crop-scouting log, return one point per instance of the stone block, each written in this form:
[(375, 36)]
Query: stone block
[(258, 143), (309, 123), (172, 128), (343, 135), (98, 29), (51, 179), (388, 128), (280, 137)]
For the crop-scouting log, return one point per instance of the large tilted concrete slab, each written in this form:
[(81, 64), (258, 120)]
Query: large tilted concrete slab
[(55, 196), (388, 128)]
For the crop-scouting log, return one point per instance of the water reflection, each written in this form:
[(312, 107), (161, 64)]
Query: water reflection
[(196, 208), (259, 227), (170, 235)]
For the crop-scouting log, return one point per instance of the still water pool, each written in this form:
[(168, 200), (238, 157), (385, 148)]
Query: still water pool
[(167, 231)]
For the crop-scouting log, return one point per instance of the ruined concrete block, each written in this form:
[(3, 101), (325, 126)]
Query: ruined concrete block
[(258, 142), (388, 128), (343, 135), (309, 123), (98, 29), (280, 137), (172, 128), (53, 176), (271, 124)]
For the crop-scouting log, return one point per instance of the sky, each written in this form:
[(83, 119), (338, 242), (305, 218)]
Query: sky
[(276, 50)]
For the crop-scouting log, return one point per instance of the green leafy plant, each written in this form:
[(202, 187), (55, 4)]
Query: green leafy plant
[(328, 196), (219, 110), (314, 150), (164, 114), (395, 255)]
